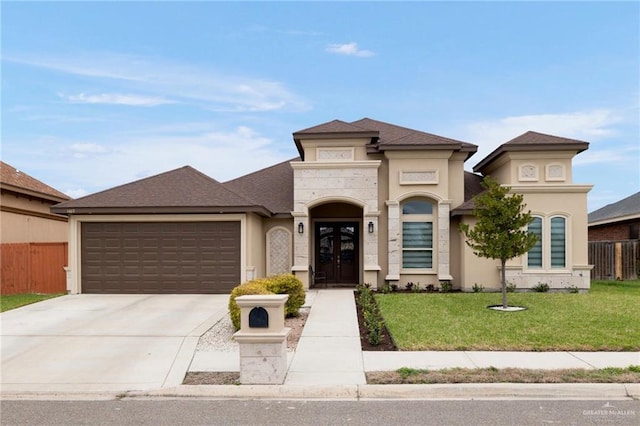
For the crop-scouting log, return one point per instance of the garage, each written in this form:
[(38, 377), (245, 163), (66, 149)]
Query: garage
[(160, 257)]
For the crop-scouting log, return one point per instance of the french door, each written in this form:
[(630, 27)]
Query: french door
[(337, 254)]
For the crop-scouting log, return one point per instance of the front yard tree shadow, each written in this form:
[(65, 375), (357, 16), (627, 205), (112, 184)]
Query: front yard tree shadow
[(501, 230)]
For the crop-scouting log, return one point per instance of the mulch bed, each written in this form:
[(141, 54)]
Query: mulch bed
[(386, 342)]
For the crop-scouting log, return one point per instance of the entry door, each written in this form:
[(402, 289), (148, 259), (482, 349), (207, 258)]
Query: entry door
[(337, 251)]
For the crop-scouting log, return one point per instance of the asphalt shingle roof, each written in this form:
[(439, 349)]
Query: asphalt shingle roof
[(629, 206), (182, 189), (384, 136), (12, 177), (533, 141), (472, 187), (271, 187)]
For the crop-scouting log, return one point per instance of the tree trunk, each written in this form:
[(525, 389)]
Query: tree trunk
[(503, 280)]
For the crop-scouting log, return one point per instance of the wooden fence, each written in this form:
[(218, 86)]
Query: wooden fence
[(614, 260), (33, 268)]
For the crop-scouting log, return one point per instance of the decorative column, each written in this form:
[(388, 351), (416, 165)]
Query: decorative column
[(301, 241), (443, 241), (395, 251), (370, 247)]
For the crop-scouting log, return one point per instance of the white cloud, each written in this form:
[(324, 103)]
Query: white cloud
[(349, 49), (618, 155), (164, 79), (82, 150), (589, 126), (87, 167), (117, 99)]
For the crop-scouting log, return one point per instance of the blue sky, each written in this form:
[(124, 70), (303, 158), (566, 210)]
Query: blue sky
[(99, 94)]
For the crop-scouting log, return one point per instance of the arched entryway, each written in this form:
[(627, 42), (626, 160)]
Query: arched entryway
[(337, 230)]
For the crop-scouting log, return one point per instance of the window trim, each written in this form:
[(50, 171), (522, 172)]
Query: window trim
[(422, 218), (546, 245)]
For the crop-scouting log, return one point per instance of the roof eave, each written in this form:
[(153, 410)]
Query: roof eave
[(32, 193), (470, 150), (577, 147), (69, 210), (613, 220)]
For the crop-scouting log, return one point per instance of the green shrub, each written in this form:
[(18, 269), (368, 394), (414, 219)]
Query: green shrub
[(573, 289), (258, 286), (445, 286), (373, 321), (386, 289), (511, 287), (541, 287), (477, 288), (374, 324), (288, 284)]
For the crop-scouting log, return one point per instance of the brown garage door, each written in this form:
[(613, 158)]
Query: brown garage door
[(160, 257)]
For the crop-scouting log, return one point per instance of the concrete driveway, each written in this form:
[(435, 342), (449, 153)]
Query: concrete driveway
[(103, 343)]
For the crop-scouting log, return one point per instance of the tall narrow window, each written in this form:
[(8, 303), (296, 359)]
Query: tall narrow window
[(534, 257), (558, 242), (417, 234)]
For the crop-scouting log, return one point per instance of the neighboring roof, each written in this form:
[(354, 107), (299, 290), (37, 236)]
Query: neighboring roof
[(184, 190), (533, 141), (17, 181), (472, 187), (384, 136), (271, 187), (625, 209)]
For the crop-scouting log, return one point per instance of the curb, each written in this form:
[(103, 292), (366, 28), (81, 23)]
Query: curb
[(405, 392), (468, 391)]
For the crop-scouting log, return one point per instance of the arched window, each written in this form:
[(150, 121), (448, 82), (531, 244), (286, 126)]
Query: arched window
[(558, 242), (417, 234), (550, 252), (534, 257)]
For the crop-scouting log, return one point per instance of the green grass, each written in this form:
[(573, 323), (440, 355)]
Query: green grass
[(12, 301), (507, 375), (605, 319)]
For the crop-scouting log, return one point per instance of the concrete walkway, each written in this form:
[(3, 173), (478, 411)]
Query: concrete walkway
[(329, 348)]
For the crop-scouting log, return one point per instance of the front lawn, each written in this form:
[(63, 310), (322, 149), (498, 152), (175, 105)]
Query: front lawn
[(12, 301), (605, 319)]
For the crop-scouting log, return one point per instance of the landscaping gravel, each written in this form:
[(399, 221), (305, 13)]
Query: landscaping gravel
[(219, 338)]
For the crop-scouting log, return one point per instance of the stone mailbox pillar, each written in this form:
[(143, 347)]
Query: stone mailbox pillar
[(262, 339)]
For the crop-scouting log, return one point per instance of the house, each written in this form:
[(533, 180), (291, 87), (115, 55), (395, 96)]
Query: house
[(25, 209), (617, 221), (33, 247), (365, 202)]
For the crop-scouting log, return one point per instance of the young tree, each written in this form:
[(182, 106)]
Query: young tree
[(501, 230)]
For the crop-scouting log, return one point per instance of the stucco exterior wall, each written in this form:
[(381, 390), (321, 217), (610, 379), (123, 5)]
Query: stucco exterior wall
[(24, 220), (256, 241), (430, 175), (474, 269)]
